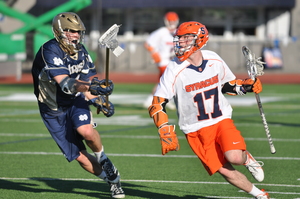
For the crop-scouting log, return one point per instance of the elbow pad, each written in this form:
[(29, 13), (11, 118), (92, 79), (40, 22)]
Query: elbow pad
[(158, 112), (68, 85)]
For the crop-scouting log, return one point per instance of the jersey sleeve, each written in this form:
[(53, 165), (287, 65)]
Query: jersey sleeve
[(53, 58), (165, 87)]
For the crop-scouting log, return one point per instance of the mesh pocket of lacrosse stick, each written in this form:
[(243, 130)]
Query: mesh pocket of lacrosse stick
[(255, 66), (109, 40)]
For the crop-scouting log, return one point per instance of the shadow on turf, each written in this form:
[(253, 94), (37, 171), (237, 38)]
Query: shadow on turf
[(85, 188)]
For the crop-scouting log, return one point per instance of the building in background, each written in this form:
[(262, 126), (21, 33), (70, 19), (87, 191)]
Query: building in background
[(231, 24)]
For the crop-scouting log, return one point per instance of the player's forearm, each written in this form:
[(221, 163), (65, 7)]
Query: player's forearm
[(71, 85)]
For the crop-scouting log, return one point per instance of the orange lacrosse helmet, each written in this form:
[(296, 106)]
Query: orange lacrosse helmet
[(171, 20), (200, 38)]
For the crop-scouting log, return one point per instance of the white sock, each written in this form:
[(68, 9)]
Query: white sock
[(255, 191), (100, 155)]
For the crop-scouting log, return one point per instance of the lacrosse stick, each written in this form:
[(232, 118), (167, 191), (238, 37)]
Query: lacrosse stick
[(255, 68), (109, 41)]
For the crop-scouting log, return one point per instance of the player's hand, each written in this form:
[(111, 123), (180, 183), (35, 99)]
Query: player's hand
[(156, 57), (100, 103), (252, 86), (99, 87), (168, 139)]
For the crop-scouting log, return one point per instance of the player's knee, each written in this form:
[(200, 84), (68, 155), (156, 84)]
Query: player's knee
[(87, 132), (235, 157)]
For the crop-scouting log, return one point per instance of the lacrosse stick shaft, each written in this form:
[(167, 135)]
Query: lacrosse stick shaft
[(255, 68), (107, 71), (262, 114)]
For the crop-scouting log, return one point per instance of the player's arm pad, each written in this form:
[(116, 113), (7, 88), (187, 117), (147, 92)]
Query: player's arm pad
[(155, 55), (158, 111), (68, 85), (234, 87)]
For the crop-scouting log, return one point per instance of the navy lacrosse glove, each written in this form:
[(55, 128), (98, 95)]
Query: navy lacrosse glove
[(99, 102), (99, 87)]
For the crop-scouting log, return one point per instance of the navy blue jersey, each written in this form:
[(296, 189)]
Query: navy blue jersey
[(51, 61)]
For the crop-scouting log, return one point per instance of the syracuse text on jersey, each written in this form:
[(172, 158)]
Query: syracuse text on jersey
[(202, 84)]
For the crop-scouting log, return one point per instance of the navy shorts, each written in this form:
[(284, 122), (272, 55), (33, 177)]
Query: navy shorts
[(62, 125)]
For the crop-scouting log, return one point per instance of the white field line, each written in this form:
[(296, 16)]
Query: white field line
[(131, 180), (136, 137), (118, 120), (140, 99), (136, 155)]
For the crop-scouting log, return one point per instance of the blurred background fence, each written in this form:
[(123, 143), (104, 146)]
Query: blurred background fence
[(269, 27)]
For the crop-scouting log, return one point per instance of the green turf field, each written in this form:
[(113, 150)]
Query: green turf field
[(33, 167)]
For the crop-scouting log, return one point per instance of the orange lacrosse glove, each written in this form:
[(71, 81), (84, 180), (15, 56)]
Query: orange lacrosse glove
[(156, 57), (252, 86), (168, 139)]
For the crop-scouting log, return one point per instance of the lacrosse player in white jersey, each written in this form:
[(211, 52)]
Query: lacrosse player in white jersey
[(160, 45), (197, 80)]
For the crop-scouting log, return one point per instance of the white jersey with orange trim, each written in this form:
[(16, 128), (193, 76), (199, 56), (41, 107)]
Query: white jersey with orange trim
[(162, 42), (197, 91)]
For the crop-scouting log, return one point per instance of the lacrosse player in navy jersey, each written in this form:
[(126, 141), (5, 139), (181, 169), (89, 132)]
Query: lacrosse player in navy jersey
[(197, 80), (62, 72)]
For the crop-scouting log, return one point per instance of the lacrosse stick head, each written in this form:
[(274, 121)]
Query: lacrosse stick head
[(254, 65), (109, 40)]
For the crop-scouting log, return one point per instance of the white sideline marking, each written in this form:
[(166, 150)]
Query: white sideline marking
[(125, 120), (137, 137), (162, 181), (140, 99), (137, 155)]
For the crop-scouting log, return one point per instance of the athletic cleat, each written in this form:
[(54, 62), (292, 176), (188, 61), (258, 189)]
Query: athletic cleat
[(265, 195), (255, 167), (112, 174), (116, 190)]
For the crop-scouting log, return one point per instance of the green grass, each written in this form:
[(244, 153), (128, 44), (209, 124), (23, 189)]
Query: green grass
[(33, 167)]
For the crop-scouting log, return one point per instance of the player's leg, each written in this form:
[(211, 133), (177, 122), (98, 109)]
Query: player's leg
[(235, 178), (240, 181), (100, 165), (112, 173), (89, 163), (242, 157), (234, 146), (92, 138), (205, 139)]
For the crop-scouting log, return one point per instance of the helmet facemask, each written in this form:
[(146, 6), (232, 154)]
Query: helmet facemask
[(69, 31), (70, 41), (184, 46)]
